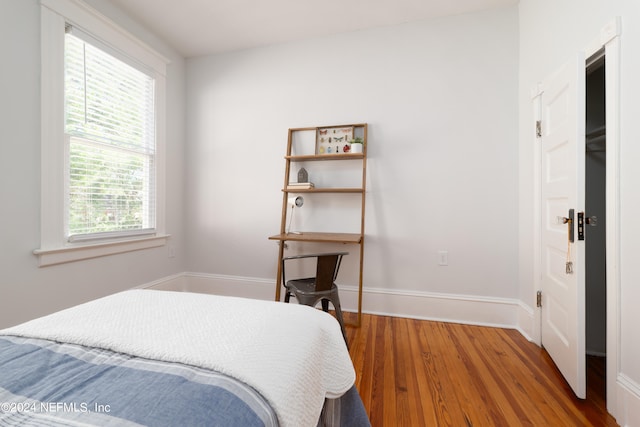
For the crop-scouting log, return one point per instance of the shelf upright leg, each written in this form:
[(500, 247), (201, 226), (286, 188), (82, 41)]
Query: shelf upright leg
[(362, 211), (359, 322), (279, 276), (283, 220)]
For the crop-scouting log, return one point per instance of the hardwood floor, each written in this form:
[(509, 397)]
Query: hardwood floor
[(420, 373)]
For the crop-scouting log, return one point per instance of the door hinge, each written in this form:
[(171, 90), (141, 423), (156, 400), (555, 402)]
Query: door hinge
[(539, 299), (538, 129)]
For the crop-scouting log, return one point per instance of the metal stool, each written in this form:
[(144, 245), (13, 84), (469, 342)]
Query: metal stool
[(322, 287)]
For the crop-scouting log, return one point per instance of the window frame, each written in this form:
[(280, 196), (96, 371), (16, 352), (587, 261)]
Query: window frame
[(54, 246)]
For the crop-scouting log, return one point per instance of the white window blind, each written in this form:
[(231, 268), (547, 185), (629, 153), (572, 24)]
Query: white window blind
[(110, 144)]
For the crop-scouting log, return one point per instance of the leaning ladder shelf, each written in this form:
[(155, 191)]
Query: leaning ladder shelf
[(324, 237)]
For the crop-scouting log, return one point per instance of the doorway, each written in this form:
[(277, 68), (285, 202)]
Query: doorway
[(595, 229), (604, 52)]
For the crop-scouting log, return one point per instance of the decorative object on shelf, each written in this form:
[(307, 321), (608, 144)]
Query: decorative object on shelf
[(331, 140), (357, 145), (294, 202), (292, 186), (303, 176)]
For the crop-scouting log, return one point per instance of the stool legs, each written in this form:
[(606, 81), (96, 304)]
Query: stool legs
[(336, 305)]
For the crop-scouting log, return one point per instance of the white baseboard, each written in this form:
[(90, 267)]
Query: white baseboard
[(528, 322), (247, 287), (498, 312), (177, 282), (216, 284), (475, 310), (628, 401)]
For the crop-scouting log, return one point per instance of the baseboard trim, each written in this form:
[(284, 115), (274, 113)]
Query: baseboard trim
[(475, 310), (176, 282), (627, 401), (528, 322)]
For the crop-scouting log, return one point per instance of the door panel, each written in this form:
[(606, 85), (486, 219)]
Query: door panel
[(562, 188)]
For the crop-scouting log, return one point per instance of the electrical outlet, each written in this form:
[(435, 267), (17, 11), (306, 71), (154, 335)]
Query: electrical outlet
[(443, 258), (171, 251)]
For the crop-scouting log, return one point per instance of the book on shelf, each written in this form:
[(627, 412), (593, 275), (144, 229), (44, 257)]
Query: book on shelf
[(300, 185)]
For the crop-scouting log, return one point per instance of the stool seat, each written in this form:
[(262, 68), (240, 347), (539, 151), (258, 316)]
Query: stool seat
[(322, 288)]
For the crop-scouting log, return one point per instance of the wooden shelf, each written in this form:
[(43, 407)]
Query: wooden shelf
[(321, 157), (359, 162), (352, 238), (325, 190)]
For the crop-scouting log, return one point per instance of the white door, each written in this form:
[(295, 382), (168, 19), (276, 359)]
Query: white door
[(562, 105)]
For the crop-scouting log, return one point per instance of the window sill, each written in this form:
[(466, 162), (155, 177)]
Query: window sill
[(77, 252)]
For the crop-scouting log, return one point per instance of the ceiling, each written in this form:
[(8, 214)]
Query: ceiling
[(204, 27)]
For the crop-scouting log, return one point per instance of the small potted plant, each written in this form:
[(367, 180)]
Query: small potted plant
[(356, 145)]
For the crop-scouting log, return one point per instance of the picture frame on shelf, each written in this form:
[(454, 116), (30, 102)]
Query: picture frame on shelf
[(334, 140)]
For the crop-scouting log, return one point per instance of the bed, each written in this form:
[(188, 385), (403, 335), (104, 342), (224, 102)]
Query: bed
[(162, 358)]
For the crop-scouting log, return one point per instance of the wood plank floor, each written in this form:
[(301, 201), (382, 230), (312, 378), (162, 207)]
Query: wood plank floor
[(420, 373)]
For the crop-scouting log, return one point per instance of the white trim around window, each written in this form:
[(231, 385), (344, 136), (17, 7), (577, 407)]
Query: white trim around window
[(54, 247)]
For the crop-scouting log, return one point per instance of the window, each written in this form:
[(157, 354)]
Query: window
[(110, 139), (103, 98)]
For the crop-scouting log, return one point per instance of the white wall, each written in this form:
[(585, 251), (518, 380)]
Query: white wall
[(551, 33), (27, 291), (439, 97)]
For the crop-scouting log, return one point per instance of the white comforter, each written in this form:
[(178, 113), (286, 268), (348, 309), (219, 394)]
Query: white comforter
[(294, 355)]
